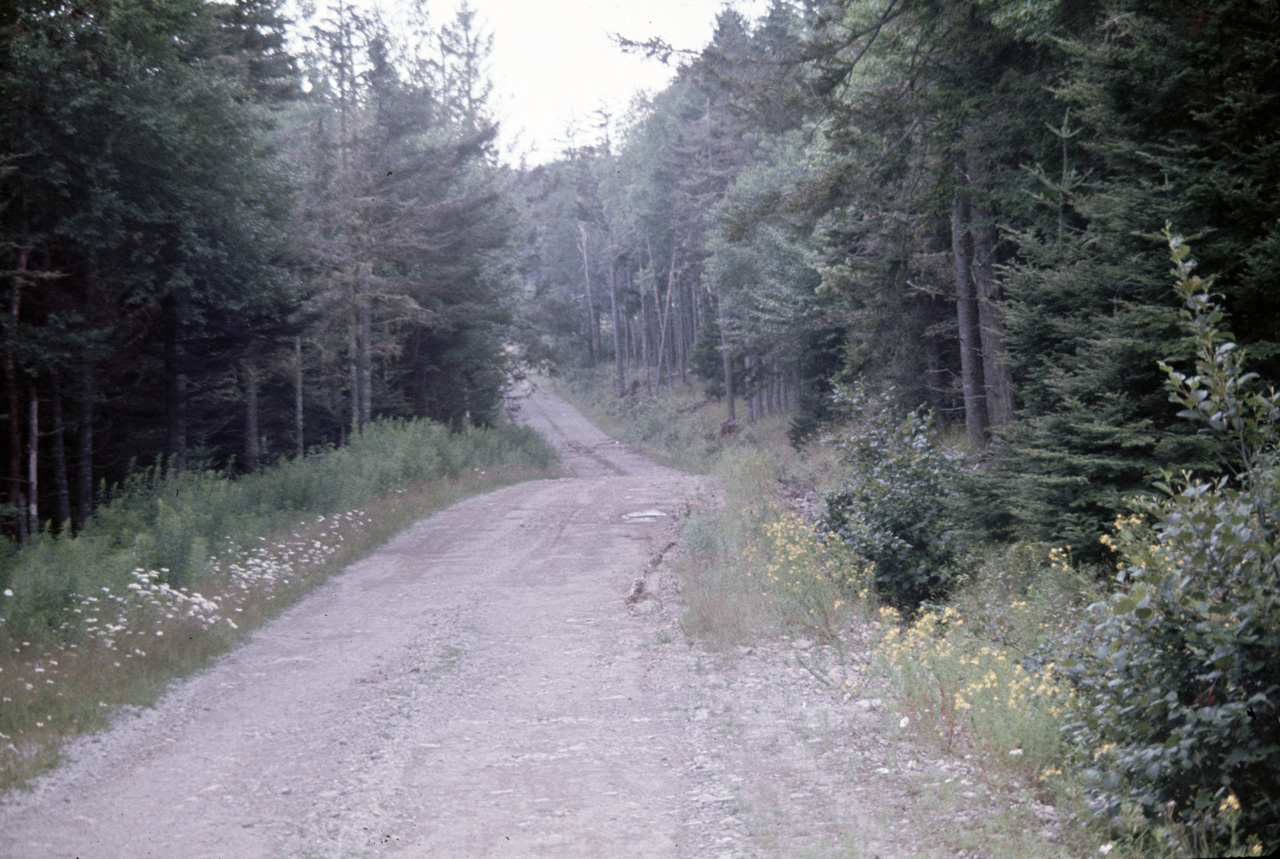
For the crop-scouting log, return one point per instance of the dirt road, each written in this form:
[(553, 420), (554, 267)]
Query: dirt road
[(478, 687)]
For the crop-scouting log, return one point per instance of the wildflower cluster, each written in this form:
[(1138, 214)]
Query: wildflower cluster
[(966, 689), (811, 574), (102, 631)]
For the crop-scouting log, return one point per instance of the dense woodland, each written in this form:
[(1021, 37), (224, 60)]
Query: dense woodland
[(222, 246), (958, 202), (218, 251), (227, 238)]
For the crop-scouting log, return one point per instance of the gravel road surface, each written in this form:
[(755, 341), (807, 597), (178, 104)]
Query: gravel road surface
[(483, 687)]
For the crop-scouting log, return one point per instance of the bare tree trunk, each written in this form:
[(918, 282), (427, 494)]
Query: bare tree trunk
[(593, 324), (176, 388), (683, 342), (353, 370), (84, 450), (996, 376), (727, 362), (772, 406), (618, 344), (59, 450), (663, 317), (975, 410), (252, 435), (677, 328), (629, 323), (644, 341), (366, 356), (299, 441), (16, 498), (33, 460)]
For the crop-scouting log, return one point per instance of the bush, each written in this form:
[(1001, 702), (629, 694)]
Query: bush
[(1181, 669), (889, 510)]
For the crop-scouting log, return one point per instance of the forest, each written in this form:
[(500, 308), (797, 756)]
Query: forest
[(229, 239)]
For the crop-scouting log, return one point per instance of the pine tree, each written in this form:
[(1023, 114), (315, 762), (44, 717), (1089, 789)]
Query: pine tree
[(1164, 125)]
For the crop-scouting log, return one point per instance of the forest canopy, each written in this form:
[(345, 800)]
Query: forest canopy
[(958, 203), (223, 243)]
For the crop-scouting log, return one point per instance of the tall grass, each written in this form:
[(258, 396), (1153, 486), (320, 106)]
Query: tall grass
[(176, 567)]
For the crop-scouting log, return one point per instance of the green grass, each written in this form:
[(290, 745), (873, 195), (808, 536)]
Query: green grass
[(177, 569)]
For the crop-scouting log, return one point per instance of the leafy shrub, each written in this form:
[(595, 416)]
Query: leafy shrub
[(1181, 669), (889, 510)]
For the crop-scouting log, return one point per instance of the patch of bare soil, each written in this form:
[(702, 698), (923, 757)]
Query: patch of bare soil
[(506, 678)]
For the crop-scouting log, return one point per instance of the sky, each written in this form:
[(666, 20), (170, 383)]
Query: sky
[(554, 61)]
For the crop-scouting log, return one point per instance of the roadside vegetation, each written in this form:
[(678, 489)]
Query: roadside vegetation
[(175, 568), (1136, 696)]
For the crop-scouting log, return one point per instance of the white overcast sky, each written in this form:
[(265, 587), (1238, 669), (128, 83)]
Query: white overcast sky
[(554, 60)]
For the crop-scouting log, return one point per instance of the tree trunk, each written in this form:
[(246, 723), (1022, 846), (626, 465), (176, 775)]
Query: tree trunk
[(995, 369), (84, 451), (366, 353), (252, 435), (353, 370), (975, 410), (16, 499), (663, 317), (727, 361), (176, 388), (619, 357), (644, 341), (682, 342), (33, 461), (593, 325), (300, 449), (59, 451)]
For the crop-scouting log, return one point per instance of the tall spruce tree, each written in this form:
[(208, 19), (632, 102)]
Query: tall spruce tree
[(1164, 125)]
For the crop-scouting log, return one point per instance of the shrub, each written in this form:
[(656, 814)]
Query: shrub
[(1181, 668), (889, 510)]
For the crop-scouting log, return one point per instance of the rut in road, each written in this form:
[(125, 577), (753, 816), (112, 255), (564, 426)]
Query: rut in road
[(477, 687)]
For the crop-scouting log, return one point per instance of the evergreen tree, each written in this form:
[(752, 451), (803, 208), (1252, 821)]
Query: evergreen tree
[(1164, 125)]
